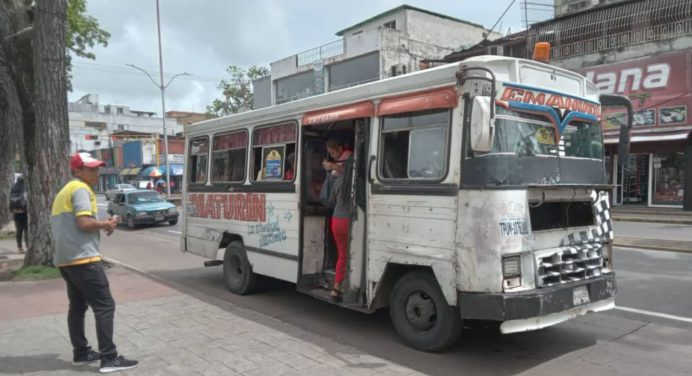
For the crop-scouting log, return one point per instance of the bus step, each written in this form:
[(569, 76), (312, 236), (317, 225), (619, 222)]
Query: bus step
[(213, 263)]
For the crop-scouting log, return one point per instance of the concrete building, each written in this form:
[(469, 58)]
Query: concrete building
[(388, 44), (563, 7), (92, 123), (641, 49)]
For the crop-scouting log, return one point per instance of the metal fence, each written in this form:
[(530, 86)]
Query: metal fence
[(622, 25), (320, 53)]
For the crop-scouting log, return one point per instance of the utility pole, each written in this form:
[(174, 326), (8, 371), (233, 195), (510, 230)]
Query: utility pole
[(162, 87)]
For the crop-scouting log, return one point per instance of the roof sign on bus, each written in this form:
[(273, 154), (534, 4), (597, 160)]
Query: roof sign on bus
[(549, 99)]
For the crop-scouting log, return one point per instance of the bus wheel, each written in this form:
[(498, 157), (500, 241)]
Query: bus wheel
[(237, 271), (420, 314)]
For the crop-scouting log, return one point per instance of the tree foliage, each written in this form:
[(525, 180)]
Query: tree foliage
[(36, 38), (237, 91)]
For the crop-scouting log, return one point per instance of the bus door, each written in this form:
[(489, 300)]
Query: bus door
[(318, 249)]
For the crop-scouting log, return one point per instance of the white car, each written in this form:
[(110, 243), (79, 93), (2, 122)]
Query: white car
[(119, 188)]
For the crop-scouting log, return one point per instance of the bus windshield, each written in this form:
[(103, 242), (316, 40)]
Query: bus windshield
[(526, 134)]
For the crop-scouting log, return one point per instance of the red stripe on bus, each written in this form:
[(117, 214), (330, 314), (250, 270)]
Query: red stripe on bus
[(352, 111), (420, 101)]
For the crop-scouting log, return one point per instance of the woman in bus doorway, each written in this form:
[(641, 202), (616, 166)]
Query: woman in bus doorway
[(339, 200)]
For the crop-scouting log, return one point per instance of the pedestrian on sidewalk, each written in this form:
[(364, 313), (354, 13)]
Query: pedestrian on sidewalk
[(18, 206), (76, 232)]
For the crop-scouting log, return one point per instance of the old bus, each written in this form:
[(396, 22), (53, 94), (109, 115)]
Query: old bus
[(478, 192)]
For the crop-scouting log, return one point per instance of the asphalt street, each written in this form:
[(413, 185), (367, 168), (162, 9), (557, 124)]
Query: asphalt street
[(653, 296)]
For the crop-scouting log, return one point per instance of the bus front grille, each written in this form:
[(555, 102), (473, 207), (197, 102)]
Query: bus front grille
[(569, 264)]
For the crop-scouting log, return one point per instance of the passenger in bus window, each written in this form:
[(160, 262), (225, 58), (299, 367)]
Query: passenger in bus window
[(340, 201), (290, 166)]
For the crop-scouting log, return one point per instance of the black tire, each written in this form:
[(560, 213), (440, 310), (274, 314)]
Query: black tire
[(237, 271), (173, 223), (131, 222), (420, 314)]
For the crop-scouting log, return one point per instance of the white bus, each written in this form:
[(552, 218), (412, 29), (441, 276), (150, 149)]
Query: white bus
[(479, 191)]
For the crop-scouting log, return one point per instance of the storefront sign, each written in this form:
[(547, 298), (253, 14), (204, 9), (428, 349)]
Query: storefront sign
[(659, 86), (172, 158)]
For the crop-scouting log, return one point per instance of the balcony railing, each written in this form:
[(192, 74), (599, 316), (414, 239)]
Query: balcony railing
[(320, 53), (622, 25)]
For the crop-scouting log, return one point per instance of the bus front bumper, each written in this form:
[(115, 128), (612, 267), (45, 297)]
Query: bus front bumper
[(540, 308)]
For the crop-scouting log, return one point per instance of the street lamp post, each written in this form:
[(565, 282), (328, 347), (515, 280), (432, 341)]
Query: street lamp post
[(162, 87)]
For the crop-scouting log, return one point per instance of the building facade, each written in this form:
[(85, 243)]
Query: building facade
[(563, 7), (389, 44), (641, 49), (91, 123)]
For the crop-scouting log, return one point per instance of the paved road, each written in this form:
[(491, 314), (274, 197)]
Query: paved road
[(653, 230), (651, 281)]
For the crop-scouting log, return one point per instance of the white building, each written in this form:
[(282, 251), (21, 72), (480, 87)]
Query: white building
[(389, 44), (563, 7), (91, 123)]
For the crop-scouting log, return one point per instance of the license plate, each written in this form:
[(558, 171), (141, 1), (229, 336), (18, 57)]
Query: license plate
[(158, 218), (580, 295)]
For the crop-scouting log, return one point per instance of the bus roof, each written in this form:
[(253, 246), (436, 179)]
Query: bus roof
[(504, 68)]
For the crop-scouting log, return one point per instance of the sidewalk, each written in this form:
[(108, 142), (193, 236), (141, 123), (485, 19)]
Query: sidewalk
[(663, 229), (169, 332)]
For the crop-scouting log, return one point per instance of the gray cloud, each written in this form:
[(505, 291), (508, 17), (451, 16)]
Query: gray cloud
[(204, 37)]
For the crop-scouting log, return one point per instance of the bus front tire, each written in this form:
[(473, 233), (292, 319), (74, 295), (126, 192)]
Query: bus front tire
[(237, 271), (420, 313)]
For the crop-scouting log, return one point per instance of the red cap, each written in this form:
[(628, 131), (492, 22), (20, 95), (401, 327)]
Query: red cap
[(84, 160)]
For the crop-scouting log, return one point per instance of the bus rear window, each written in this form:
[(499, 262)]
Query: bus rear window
[(199, 159)]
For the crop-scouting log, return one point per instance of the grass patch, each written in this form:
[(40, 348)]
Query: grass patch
[(7, 236), (35, 273)]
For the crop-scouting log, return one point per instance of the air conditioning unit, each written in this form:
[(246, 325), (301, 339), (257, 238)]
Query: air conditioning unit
[(398, 69)]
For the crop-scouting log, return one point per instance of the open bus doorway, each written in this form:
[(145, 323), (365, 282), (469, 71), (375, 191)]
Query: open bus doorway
[(318, 251)]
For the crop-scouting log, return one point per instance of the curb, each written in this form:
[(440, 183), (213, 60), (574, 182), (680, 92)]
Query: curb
[(654, 220), (641, 244)]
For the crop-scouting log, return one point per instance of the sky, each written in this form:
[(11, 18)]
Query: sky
[(204, 37)]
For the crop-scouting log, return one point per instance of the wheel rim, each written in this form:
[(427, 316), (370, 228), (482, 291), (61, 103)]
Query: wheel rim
[(421, 312), (235, 267)]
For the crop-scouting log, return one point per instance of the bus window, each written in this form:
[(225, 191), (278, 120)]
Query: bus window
[(414, 145), (583, 140), (228, 157), (271, 146), (199, 158)]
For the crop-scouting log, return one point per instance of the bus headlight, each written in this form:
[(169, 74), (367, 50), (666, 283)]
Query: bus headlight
[(511, 266), (511, 271)]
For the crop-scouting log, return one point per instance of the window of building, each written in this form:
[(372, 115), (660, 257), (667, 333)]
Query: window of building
[(357, 70), (121, 127), (199, 159), (390, 25), (295, 87), (273, 150), (669, 179), (415, 145), (228, 157), (120, 111)]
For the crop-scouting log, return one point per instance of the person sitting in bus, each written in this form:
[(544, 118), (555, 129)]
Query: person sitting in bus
[(290, 166), (339, 200)]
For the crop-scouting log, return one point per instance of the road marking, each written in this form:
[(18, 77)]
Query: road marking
[(175, 232), (102, 205), (655, 314)]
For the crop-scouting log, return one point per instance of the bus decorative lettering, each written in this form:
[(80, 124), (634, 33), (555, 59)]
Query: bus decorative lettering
[(269, 232), (249, 207), (515, 94), (514, 226)]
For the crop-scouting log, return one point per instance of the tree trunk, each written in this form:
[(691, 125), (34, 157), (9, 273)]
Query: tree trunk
[(47, 139), (15, 89)]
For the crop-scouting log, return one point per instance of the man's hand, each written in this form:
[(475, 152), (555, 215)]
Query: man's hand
[(110, 224)]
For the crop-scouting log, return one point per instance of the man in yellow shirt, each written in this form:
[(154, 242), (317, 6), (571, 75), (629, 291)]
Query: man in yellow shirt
[(76, 232)]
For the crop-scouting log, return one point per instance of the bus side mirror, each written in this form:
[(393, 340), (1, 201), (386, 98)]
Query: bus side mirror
[(624, 140), (482, 124)]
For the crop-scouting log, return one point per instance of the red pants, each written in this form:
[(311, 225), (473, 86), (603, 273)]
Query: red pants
[(340, 228)]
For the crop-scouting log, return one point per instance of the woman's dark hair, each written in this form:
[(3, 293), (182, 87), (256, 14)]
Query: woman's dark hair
[(335, 142)]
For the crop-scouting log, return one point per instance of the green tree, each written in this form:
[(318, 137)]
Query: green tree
[(237, 91), (36, 38)]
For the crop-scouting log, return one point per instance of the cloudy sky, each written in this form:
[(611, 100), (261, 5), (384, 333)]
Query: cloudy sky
[(203, 37)]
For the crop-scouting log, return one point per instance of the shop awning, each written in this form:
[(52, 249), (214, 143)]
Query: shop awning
[(176, 169), (680, 134)]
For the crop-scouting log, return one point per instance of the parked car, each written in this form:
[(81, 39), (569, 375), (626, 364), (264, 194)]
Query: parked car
[(119, 188), (140, 207)]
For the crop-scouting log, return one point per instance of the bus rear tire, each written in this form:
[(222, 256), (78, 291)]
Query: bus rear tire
[(420, 313), (237, 271)]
